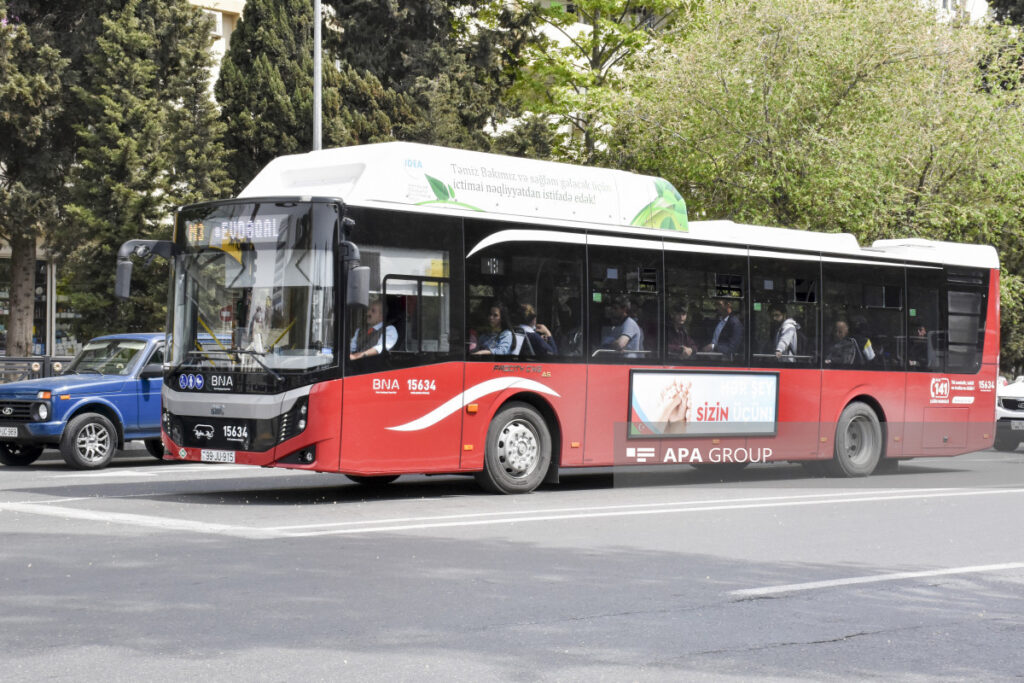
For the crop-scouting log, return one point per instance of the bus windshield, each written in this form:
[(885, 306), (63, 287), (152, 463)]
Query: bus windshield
[(254, 287)]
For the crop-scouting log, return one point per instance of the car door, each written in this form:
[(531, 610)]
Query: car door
[(148, 394)]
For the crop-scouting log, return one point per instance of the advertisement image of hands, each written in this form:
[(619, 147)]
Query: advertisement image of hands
[(702, 404)]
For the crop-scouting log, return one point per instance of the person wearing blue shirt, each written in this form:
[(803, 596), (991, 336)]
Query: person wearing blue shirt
[(626, 335), (496, 341)]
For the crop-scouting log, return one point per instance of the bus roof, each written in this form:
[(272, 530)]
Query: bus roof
[(410, 176), (440, 177)]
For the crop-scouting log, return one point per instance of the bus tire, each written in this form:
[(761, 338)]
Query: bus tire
[(373, 480), (19, 454), (518, 450), (858, 442), (1007, 445), (89, 442), (155, 447)]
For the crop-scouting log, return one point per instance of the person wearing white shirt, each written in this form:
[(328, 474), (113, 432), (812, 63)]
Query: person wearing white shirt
[(377, 338)]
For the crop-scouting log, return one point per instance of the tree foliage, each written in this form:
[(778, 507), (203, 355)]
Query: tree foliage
[(265, 90), (452, 61), (149, 140), (30, 95), (1008, 10), (580, 59), (869, 117)]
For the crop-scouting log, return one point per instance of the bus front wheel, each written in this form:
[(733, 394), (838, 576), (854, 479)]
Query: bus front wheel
[(518, 450), (858, 442)]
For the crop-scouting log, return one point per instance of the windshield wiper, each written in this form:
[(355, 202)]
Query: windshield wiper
[(82, 371), (258, 357)]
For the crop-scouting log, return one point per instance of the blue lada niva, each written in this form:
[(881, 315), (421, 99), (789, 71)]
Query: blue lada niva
[(109, 394)]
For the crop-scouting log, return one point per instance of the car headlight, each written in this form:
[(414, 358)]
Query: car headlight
[(42, 412)]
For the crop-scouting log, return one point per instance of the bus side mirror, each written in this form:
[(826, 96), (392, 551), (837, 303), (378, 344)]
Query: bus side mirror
[(359, 286), (123, 283), (144, 249)]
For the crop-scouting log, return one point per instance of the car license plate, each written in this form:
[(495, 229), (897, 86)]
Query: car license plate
[(216, 456), (13, 431), (1015, 425)]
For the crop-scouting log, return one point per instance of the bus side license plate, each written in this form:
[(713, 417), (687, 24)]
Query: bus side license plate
[(1016, 425), (216, 456)]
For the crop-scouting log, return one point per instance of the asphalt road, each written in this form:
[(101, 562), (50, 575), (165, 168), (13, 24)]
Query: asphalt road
[(165, 571)]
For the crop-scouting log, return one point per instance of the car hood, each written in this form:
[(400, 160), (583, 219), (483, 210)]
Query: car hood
[(86, 383), (1012, 390)]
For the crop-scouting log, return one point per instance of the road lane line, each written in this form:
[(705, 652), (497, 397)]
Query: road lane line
[(383, 526), (592, 508), (147, 521), (877, 578)]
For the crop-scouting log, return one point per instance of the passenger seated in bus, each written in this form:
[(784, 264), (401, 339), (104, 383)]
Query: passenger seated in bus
[(920, 351), (678, 342), (862, 336), (537, 335), (625, 334), (844, 350), (786, 336), (727, 338), (376, 336), (497, 340)]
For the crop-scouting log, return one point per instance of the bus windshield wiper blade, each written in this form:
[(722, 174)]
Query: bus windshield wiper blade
[(258, 357)]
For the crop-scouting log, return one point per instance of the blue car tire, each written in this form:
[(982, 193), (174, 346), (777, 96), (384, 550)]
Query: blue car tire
[(89, 442)]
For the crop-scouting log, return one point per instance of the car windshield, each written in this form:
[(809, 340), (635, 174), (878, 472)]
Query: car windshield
[(107, 357)]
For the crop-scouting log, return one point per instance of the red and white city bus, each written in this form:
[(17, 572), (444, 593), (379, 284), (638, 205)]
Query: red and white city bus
[(400, 308)]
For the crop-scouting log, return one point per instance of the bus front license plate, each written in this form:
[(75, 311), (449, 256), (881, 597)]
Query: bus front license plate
[(1016, 425), (216, 456)]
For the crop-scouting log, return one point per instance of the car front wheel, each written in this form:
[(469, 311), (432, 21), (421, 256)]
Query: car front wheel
[(89, 442)]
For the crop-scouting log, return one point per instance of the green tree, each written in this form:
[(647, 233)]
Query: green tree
[(1008, 10), (149, 140), (453, 61), (30, 87), (583, 51), (869, 117), (265, 91)]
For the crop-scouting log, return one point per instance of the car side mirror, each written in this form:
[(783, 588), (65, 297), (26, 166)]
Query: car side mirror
[(152, 370)]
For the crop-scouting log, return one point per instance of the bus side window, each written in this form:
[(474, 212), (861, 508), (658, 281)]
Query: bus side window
[(533, 281), (864, 316), (712, 288), (784, 312), (625, 304)]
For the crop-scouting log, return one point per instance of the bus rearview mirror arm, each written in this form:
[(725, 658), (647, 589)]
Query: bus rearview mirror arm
[(143, 249)]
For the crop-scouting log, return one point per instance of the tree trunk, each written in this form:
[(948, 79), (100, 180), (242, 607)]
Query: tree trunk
[(23, 296)]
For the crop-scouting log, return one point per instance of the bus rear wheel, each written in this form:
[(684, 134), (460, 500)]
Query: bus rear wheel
[(518, 450), (858, 442)]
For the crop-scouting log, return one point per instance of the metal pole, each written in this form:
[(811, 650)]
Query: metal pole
[(317, 78)]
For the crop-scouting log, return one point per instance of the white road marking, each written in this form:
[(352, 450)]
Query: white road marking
[(878, 578), (595, 513), (147, 521), (474, 519), (151, 472), (590, 508)]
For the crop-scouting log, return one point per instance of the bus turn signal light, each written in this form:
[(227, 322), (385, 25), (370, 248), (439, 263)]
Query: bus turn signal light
[(471, 408)]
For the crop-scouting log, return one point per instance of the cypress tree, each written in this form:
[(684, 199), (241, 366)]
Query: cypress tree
[(30, 88), (148, 140)]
